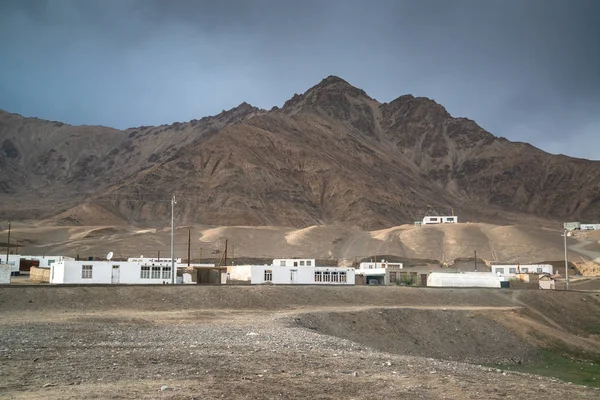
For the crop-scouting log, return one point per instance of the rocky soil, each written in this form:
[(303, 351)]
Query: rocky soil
[(213, 343)]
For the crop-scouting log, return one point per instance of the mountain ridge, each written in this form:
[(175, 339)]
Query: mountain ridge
[(330, 155)]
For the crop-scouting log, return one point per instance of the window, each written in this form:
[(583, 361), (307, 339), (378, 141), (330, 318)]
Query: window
[(512, 270), (50, 262), (295, 263), (268, 275), (343, 276), (86, 271), (499, 270), (166, 273), (302, 263), (525, 270), (334, 277), (318, 276), (308, 263), (433, 219), (155, 272), (449, 219), (282, 263), (145, 272), (326, 276)]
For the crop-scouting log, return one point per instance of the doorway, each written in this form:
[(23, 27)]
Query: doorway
[(293, 275), (115, 274)]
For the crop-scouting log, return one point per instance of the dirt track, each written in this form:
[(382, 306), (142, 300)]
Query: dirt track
[(281, 342)]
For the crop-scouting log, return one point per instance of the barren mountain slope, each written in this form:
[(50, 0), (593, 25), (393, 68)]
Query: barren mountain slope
[(332, 154), (47, 166)]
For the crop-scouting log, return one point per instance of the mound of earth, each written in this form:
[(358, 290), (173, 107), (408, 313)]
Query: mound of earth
[(446, 334)]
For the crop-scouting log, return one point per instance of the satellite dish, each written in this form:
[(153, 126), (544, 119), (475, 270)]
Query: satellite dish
[(109, 256)]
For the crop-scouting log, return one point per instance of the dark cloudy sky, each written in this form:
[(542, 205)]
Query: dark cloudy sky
[(527, 70)]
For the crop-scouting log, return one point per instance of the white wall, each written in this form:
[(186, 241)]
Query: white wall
[(5, 271), (370, 271), (129, 273), (303, 275), (464, 279), (513, 269), (13, 261), (589, 227), (240, 272), (382, 264), (294, 262), (444, 219)]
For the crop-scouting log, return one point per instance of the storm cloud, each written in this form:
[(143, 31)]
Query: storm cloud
[(526, 70)]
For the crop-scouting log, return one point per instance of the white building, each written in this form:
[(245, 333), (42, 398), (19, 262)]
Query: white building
[(107, 272), (511, 270), (294, 262), (135, 271), (428, 220), (589, 227), (466, 279), (290, 275)]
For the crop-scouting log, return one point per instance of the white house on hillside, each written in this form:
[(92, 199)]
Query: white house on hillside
[(428, 220)]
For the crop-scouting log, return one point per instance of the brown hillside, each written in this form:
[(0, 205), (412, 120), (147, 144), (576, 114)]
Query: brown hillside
[(332, 154)]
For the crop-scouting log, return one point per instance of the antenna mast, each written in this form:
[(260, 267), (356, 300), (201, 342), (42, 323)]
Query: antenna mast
[(173, 272)]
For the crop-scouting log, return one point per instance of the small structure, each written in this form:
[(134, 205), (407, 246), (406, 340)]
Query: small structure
[(202, 274), (547, 282), (379, 273), (428, 220), (5, 274), (589, 227), (572, 226), (290, 275), (466, 279), (512, 270)]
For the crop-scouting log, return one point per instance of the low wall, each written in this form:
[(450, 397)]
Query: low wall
[(39, 274)]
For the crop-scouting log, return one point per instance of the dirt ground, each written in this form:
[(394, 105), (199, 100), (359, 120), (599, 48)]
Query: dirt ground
[(285, 342)]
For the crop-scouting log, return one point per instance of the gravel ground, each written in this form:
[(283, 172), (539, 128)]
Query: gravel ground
[(100, 343), (231, 355)]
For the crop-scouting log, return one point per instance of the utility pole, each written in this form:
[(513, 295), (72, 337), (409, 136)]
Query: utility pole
[(232, 254), (8, 243), (475, 260), (225, 253), (189, 244), (158, 256), (173, 272), (566, 262), (201, 254)]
